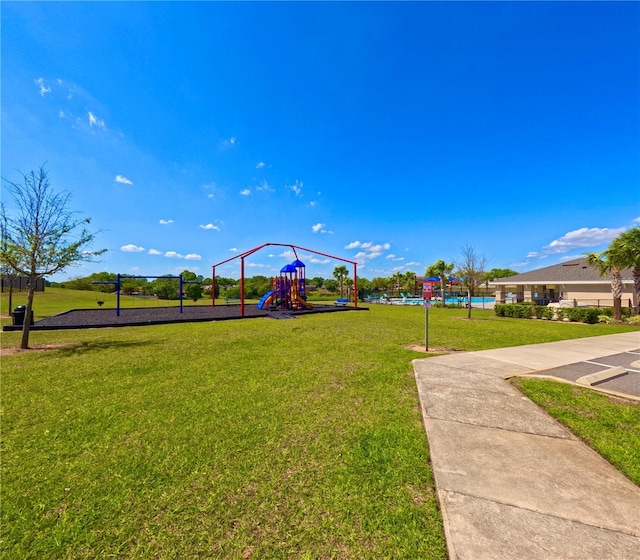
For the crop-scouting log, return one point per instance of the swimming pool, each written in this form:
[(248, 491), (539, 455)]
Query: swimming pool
[(475, 300)]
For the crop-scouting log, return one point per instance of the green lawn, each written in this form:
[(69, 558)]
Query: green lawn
[(608, 424), (273, 439)]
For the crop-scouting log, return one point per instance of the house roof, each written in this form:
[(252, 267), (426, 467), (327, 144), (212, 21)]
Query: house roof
[(576, 271)]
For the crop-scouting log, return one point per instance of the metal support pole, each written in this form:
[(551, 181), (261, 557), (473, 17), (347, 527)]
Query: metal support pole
[(242, 287), (426, 329), (118, 296), (180, 293), (355, 285), (213, 286)]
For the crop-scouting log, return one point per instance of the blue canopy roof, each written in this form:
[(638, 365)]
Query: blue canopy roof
[(288, 268)]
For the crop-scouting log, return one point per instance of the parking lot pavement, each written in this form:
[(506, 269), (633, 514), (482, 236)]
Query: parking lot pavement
[(624, 369)]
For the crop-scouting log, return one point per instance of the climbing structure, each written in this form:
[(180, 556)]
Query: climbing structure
[(288, 291)]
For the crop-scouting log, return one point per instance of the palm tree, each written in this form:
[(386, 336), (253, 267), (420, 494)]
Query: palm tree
[(626, 248), (606, 264), (349, 284), (340, 273), (442, 270)]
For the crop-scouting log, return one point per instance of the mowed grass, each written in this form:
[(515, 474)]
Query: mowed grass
[(608, 424), (256, 438), (58, 300)]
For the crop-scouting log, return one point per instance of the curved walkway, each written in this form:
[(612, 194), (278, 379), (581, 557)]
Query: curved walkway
[(511, 481)]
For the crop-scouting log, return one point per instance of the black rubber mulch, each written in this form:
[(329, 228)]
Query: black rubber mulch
[(97, 318)]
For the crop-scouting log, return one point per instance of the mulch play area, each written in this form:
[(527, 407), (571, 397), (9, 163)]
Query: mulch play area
[(97, 318)]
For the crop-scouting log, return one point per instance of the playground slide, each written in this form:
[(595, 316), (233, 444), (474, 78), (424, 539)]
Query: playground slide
[(266, 299), (303, 303)]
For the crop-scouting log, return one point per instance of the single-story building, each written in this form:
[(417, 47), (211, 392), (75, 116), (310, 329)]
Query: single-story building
[(574, 281)]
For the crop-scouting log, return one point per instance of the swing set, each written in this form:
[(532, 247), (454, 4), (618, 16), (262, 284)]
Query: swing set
[(117, 284)]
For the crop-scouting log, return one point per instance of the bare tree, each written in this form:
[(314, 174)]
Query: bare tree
[(471, 271), (41, 236)]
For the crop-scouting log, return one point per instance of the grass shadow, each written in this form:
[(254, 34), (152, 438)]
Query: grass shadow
[(86, 347)]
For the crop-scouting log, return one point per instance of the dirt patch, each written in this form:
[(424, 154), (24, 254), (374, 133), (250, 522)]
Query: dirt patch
[(11, 350), (432, 349)]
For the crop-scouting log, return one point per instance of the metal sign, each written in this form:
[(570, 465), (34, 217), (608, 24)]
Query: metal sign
[(427, 290)]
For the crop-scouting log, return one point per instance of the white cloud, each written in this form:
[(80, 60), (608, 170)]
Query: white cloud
[(193, 257), (95, 121), (412, 263), (636, 220), (155, 252), (393, 257), (312, 203), (210, 226), (264, 186), (122, 179), (316, 260), (318, 228), (256, 265), (582, 238), (43, 88), (131, 248), (518, 264), (212, 188), (245, 192), (173, 255), (260, 165), (229, 143), (288, 254), (296, 187), (234, 249), (166, 222), (370, 250)]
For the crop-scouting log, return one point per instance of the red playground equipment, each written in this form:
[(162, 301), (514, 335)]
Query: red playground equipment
[(288, 291)]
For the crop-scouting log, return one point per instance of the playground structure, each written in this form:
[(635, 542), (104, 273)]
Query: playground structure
[(288, 291)]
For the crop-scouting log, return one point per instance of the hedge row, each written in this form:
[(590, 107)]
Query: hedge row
[(573, 314)]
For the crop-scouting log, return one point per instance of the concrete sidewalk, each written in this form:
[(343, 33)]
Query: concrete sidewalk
[(512, 482)]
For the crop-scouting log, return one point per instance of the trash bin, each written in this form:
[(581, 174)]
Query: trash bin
[(19, 315)]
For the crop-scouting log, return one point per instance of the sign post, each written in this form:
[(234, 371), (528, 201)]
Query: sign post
[(427, 293)]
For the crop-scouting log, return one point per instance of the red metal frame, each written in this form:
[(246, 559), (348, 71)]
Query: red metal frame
[(244, 255)]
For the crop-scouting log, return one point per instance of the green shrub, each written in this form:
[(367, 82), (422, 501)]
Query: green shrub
[(590, 316), (635, 320), (579, 314), (515, 310), (543, 312), (625, 312)]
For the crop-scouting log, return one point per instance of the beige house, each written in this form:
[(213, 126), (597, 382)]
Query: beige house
[(573, 281)]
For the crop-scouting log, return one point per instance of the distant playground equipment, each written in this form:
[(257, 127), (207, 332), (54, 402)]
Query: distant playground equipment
[(288, 291), (118, 284)]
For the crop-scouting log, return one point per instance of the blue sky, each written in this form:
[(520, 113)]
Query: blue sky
[(388, 133)]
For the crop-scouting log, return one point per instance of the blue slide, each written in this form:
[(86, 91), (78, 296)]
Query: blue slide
[(264, 299)]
